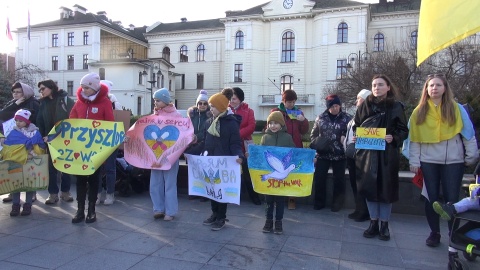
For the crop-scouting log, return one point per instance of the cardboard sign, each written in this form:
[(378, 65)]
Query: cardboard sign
[(80, 146), (157, 141), (281, 170), (15, 177), (124, 117), (214, 177), (371, 138)]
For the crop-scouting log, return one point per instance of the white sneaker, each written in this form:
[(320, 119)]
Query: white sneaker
[(100, 198), (110, 198)]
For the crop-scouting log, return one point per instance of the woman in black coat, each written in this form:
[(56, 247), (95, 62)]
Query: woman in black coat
[(377, 171)]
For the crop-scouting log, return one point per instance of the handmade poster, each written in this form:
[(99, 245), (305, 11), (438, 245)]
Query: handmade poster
[(292, 114), (80, 146), (371, 138), (124, 117), (281, 171), (156, 142), (214, 177), (15, 177), (8, 126)]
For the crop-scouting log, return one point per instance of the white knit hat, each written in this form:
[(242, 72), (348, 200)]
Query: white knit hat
[(23, 115), (203, 96), (91, 80), (364, 93), (108, 83)]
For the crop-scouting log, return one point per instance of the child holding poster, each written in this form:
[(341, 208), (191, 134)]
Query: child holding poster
[(22, 143), (92, 103), (276, 135)]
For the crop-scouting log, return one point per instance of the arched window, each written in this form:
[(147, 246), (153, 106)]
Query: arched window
[(200, 53), (413, 39), (288, 47), (166, 53), (184, 54), (379, 43), (239, 40), (342, 33), (286, 82)]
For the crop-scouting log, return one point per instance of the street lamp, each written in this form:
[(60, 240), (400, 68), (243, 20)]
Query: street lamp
[(354, 56)]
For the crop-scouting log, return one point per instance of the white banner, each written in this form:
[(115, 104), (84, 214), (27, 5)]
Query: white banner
[(214, 177)]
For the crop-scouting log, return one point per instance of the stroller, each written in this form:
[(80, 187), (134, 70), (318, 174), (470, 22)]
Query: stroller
[(465, 236)]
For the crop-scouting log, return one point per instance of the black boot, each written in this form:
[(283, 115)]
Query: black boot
[(80, 215), (372, 231), (384, 231), (91, 216)]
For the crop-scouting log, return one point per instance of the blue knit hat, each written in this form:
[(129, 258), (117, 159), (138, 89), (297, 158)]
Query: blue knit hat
[(163, 95)]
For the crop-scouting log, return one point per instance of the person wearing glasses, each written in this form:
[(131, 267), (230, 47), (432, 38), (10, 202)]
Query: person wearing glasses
[(199, 114), (442, 142), (55, 105), (23, 98)]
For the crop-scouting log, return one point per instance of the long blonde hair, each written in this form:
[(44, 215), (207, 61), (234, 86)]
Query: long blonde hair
[(448, 103)]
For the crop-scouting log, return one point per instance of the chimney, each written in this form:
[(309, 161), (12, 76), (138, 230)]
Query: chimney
[(183, 19), (102, 15), (65, 13), (79, 9), (132, 27), (118, 23)]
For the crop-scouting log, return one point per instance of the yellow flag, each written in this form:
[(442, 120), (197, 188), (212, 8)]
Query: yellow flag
[(445, 22)]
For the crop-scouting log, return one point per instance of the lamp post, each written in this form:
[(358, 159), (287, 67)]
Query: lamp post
[(353, 57)]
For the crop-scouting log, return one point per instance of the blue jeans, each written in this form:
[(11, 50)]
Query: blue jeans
[(28, 197), (379, 210), (163, 190), (52, 181), (111, 174), (449, 177), (270, 202), (320, 178)]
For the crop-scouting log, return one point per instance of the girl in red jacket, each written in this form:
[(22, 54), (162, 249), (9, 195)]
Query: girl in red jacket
[(92, 103)]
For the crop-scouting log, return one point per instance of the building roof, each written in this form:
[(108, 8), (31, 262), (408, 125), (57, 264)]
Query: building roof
[(80, 18), (397, 5), (184, 26)]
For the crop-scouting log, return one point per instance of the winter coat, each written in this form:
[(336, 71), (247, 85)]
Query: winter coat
[(20, 142), (247, 126), (31, 103), (334, 129), (377, 171), (53, 110), (97, 107), (294, 127), (280, 138), (198, 121)]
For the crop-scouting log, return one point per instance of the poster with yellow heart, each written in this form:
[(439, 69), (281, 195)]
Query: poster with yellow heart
[(15, 177), (157, 141), (80, 146)]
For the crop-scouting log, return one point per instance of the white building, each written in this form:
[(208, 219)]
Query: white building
[(283, 44)]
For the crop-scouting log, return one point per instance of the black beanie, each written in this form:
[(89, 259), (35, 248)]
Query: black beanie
[(331, 100), (239, 93)]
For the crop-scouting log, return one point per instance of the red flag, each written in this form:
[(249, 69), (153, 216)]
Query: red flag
[(28, 27), (9, 34)]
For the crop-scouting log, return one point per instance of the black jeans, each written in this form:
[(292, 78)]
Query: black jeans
[(270, 202), (92, 181), (320, 178), (219, 209), (360, 202)]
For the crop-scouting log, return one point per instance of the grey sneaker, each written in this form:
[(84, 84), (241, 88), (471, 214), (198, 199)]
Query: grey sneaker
[(210, 220), (66, 196), (218, 225), (445, 211), (109, 199), (52, 199), (278, 227)]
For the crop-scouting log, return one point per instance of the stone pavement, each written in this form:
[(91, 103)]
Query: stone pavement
[(126, 236)]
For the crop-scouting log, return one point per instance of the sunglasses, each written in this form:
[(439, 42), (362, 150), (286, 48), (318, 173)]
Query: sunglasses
[(202, 103)]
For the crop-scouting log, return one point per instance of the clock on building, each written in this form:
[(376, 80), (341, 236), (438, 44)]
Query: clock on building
[(287, 4)]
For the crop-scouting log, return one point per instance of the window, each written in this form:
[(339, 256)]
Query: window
[(70, 88), (200, 81), (341, 68), (163, 82), (342, 33), (140, 81), (70, 39), (85, 38), (139, 106), (70, 62), (238, 73), (113, 54), (239, 40), (183, 54), (413, 40), (85, 61), (54, 62), (101, 72), (54, 40), (158, 81), (286, 83), (288, 47), (378, 43), (182, 83), (166, 53), (200, 53)]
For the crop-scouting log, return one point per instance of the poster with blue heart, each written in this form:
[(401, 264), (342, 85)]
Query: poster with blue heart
[(214, 177), (157, 141), (282, 171), (80, 146)]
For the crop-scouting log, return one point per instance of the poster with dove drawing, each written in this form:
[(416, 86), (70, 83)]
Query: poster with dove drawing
[(281, 171), (157, 141)]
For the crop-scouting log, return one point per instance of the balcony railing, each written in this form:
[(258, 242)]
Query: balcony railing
[(302, 99)]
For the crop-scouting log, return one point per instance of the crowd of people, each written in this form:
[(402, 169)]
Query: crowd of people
[(438, 138)]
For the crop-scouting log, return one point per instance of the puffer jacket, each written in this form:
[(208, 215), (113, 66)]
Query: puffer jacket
[(280, 138), (96, 107), (334, 129)]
